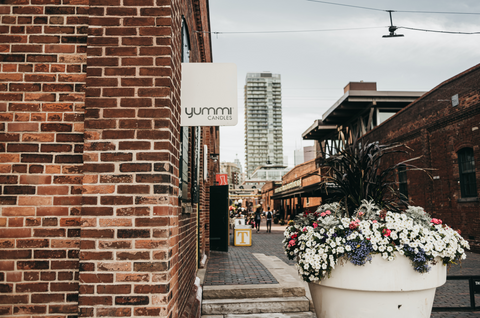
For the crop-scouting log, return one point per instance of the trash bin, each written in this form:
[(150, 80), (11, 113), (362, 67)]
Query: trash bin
[(242, 235)]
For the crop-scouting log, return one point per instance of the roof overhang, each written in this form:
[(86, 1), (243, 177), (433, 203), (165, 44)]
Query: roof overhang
[(355, 103), (318, 131), (313, 190)]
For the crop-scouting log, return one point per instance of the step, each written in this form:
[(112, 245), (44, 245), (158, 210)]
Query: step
[(255, 305), (252, 291), (307, 314)]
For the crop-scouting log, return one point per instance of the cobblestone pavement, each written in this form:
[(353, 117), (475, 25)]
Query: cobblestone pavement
[(239, 267)]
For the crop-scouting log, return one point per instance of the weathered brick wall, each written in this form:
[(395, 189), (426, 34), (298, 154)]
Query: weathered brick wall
[(436, 130), (308, 174), (90, 221), (130, 208), (43, 60)]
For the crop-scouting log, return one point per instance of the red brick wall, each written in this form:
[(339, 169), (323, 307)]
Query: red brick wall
[(436, 130), (90, 221), (308, 173), (43, 62)]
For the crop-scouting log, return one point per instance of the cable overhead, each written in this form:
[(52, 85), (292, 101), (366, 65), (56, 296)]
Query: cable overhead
[(287, 31), (327, 30), (384, 10), (346, 5), (437, 31), (392, 28)]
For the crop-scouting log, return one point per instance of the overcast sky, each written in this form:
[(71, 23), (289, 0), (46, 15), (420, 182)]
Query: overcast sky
[(316, 66)]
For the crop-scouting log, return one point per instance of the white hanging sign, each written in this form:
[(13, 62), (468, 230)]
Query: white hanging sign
[(209, 94)]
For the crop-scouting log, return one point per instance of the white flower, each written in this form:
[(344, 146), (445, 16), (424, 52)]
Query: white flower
[(315, 257)]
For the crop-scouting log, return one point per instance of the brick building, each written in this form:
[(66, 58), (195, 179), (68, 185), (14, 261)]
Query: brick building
[(299, 191), (102, 210), (442, 126)]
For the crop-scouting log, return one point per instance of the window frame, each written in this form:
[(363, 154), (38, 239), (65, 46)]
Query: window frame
[(185, 151), (467, 179)]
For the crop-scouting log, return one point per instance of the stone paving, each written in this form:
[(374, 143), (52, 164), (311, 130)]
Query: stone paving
[(238, 266)]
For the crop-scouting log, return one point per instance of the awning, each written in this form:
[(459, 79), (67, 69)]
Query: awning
[(313, 190)]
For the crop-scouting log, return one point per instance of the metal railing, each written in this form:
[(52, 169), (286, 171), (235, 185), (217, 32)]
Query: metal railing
[(474, 288)]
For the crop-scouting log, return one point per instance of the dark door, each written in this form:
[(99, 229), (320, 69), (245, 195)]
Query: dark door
[(219, 218)]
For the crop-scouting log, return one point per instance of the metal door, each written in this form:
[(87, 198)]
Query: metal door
[(219, 218)]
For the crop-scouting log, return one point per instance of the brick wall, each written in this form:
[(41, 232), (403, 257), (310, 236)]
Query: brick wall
[(436, 130), (308, 174), (90, 221), (43, 64)]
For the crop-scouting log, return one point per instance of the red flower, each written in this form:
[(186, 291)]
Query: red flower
[(353, 225), (386, 232), (436, 221)]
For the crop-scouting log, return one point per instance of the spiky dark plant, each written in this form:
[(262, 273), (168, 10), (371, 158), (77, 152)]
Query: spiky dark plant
[(357, 173)]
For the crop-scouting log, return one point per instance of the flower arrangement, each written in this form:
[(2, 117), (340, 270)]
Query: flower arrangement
[(368, 216), (321, 240)]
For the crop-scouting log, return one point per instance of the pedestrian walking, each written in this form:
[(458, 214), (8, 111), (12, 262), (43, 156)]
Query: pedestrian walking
[(258, 218), (269, 220)]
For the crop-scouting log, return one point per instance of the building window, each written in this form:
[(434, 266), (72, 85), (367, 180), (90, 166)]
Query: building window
[(466, 166), (184, 156), (402, 181), (184, 131), (185, 43)]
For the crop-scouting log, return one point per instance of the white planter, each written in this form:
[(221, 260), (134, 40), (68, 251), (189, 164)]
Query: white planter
[(380, 289)]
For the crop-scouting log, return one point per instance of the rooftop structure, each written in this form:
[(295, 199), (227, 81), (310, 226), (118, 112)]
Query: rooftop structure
[(358, 111)]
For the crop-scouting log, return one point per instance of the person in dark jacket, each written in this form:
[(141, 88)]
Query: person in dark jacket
[(258, 218), (269, 215)]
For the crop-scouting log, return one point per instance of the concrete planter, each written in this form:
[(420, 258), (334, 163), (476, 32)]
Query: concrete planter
[(377, 290)]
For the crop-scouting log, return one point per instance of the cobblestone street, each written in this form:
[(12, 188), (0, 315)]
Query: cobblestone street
[(239, 267)]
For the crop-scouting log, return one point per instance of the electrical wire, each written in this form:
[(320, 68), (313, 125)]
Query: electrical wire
[(327, 30), (346, 5), (437, 31), (352, 29), (288, 31), (405, 11)]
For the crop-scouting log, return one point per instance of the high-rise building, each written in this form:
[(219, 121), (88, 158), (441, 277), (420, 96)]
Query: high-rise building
[(263, 121)]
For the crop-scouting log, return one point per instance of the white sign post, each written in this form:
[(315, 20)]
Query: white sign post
[(209, 94)]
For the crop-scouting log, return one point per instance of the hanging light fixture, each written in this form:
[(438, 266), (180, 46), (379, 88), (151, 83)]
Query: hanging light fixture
[(392, 28)]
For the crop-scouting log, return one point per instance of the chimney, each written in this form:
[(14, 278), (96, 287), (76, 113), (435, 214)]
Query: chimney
[(360, 86)]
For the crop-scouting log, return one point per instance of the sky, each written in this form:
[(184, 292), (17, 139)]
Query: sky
[(315, 65)]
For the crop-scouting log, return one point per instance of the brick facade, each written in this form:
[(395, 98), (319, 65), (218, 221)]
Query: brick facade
[(308, 174), (436, 130), (90, 220)]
